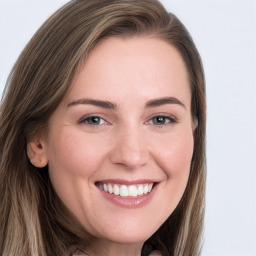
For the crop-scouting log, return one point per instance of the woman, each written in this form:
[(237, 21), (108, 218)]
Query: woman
[(102, 132)]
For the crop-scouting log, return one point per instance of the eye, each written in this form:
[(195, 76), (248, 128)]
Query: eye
[(92, 120), (162, 120)]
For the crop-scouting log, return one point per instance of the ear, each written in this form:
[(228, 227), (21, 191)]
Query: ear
[(36, 150)]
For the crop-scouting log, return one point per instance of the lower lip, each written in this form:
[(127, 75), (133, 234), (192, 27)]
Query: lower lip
[(129, 202)]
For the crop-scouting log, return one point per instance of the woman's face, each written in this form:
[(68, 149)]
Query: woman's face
[(124, 126)]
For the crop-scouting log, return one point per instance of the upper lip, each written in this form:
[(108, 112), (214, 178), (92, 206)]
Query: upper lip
[(126, 182)]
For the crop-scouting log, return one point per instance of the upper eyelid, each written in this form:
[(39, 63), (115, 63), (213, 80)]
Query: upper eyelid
[(82, 119), (169, 116), (171, 121)]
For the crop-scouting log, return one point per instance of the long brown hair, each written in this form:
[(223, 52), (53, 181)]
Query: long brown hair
[(33, 221)]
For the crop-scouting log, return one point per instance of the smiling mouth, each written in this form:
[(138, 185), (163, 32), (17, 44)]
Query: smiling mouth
[(126, 190)]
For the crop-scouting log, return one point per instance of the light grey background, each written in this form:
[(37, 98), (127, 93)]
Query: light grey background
[(224, 31)]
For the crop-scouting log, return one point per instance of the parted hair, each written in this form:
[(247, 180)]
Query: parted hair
[(33, 220)]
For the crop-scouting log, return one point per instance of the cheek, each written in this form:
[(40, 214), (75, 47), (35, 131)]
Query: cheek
[(176, 154), (173, 155), (73, 160), (75, 154), (176, 162)]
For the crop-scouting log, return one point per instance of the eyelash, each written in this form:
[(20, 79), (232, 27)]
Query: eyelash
[(86, 120), (168, 119)]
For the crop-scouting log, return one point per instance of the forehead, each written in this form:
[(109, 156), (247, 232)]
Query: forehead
[(132, 67)]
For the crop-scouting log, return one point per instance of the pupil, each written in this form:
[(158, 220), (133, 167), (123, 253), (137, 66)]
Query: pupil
[(94, 120), (159, 120)]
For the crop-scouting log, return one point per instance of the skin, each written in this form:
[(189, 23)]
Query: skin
[(127, 144)]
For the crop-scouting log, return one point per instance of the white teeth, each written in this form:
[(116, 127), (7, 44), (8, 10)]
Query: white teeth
[(110, 189), (127, 191), (124, 191), (150, 186), (145, 191), (140, 190), (132, 191), (116, 189)]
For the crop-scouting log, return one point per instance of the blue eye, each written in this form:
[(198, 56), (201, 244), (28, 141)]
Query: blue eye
[(92, 120), (162, 120)]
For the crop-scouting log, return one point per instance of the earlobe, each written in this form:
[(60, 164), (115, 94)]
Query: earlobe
[(36, 151)]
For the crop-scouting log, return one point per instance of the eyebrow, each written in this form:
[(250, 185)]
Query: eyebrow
[(164, 101), (109, 105), (98, 103)]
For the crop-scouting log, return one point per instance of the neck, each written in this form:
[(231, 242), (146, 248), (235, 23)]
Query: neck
[(107, 248)]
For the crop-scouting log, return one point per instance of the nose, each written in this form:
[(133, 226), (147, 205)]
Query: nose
[(129, 149)]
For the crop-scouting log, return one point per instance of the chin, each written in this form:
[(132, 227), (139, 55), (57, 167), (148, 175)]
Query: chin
[(128, 234), (131, 238)]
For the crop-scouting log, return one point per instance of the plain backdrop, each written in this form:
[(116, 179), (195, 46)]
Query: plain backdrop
[(224, 32)]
